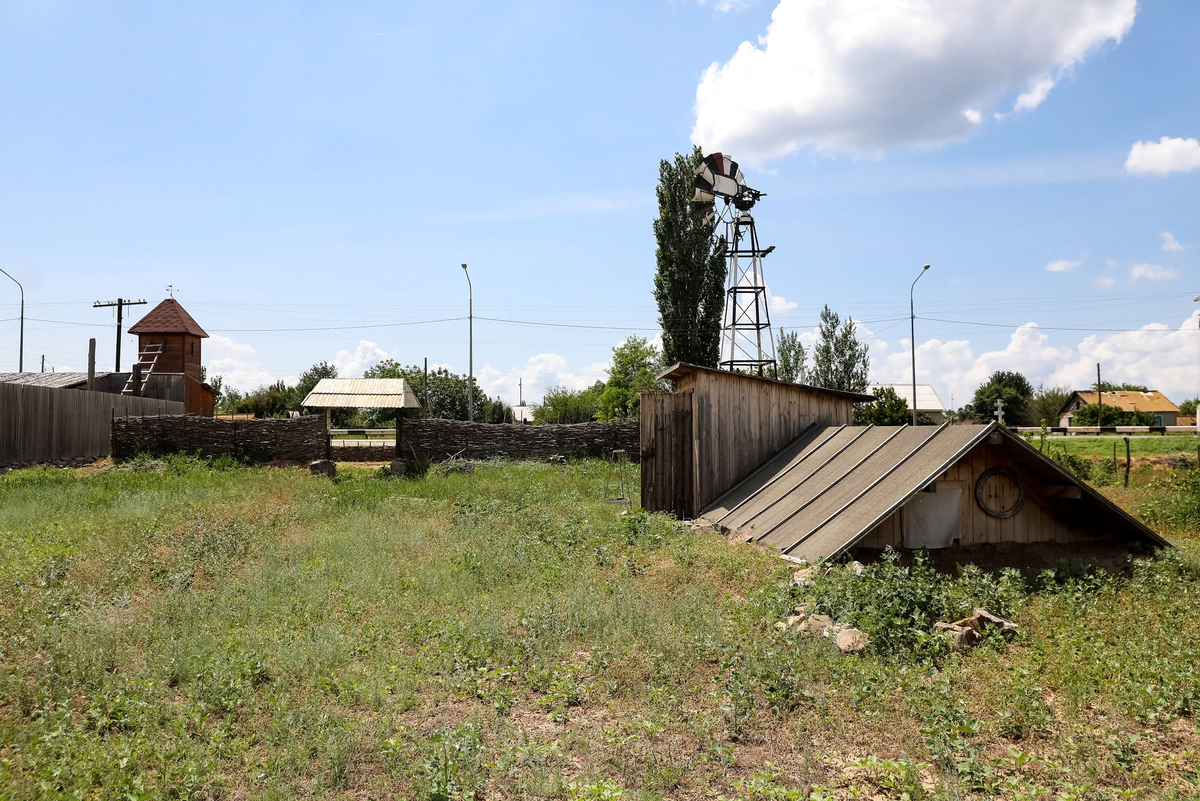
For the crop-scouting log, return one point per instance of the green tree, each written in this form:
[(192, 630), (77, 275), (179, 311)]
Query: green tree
[(1188, 408), (889, 409), (447, 392), (275, 400), (1110, 387), (791, 359), (310, 377), (563, 405), (635, 367), (1046, 403), (497, 411), (840, 360), (1012, 388), (1088, 414), (689, 285)]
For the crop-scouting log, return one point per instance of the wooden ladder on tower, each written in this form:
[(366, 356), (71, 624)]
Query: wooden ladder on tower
[(146, 360)]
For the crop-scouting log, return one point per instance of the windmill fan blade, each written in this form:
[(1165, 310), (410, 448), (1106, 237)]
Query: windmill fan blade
[(720, 176)]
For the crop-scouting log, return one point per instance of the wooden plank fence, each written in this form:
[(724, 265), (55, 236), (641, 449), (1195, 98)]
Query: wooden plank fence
[(48, 424)]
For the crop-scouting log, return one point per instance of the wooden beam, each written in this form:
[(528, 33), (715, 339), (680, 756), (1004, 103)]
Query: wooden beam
[(1061, 491)]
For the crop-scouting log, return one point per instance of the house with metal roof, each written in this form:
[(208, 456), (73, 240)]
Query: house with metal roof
[(927, 403), (1165, 413), (784, 466)]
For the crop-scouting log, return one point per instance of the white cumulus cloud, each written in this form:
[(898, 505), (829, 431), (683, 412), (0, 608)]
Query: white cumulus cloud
[(541, 372), (1028, 101), (973, 115), (238, 364), (367, 354), (782, 304), (1165, 156), (1105, 281), (858, 76), (1152, 272), (1063, 265), (1157, 355), (1170, 243)]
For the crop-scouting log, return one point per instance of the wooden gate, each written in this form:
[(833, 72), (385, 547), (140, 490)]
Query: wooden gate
[(667, 478)]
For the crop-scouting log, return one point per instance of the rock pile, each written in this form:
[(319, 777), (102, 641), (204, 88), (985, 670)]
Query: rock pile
[(965, 633), (848, 639)]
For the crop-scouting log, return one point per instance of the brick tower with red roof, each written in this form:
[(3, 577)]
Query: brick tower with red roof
[(169, 343)]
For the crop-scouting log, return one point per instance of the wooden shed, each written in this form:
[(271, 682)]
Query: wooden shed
[(840, 488), (717, 427), (169, 354)]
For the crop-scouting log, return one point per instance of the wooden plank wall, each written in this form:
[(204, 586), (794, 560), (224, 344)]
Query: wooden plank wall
[(46, 424), (741, 421), (666, 443), (1040, 519)]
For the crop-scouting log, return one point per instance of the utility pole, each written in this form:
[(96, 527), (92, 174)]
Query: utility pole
[(520, 392), (470, 348), (426, 386), (912, 337), (21, 351), (120, 303), (1099, 399)]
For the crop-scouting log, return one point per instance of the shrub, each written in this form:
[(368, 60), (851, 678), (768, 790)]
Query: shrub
[(1175, 500), (897, 605)]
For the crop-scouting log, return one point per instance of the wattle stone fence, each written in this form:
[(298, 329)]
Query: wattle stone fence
[(432, 440), (300, 440), (427, 440)]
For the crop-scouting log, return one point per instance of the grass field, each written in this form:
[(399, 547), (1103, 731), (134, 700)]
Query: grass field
[(179, 630), (1138, 446)]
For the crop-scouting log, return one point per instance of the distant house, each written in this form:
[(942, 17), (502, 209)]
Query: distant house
[(928, 402), (523, 415), (1165, 412)]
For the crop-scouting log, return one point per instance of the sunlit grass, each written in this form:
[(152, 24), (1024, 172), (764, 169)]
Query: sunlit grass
[(180, 630)]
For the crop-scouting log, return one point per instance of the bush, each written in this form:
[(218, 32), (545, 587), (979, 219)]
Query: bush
[(898, 605), (1175, 501), (1075, 465)]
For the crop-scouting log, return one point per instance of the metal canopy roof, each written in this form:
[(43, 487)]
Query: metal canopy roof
[(62, 380), (362, 393), (831, 486), (927, 397)]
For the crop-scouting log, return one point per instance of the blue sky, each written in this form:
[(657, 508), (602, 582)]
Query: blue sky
[(305, 166)]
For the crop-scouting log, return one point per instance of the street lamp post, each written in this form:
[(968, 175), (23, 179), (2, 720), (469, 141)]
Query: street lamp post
[(21, 351), (1197, 411), (470, 347), (912, 337)]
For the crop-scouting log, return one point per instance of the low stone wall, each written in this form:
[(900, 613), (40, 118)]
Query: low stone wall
[(435, 440), (300, 440)]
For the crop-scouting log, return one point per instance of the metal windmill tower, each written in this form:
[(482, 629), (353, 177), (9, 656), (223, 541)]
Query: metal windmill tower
[(747, 343)]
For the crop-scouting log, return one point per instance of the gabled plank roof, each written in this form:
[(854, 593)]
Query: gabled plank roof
[(362, 393), (832, 485)]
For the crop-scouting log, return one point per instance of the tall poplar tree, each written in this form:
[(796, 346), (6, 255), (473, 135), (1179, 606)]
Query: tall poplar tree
[(689, 285), (840, 360)]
